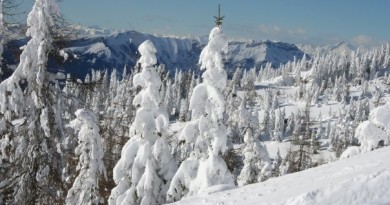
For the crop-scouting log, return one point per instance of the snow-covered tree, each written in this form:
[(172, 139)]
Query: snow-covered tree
[(146, 166), (169, 97), (233, 103), (278, 133), (192, 84), (277, 161), (205, 167), (372, 133), (235, 79), (183, 115), (257, 165), (242, 120), (85, 189), (27, 104)]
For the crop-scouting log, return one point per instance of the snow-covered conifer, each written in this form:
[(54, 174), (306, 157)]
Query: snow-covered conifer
[(277, 161), (183, 115), (35, 158), (297, 75), (290, 125), (256, 163), (85, 189), (192, 84), (242, 119), (146, 167), (372, 133), (169, 97), (205, 167), (236, 78), (279, 126)]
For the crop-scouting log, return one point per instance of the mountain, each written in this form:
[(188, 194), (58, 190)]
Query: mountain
[(338, 48), (255, 54), (119, 49), (96, 48)]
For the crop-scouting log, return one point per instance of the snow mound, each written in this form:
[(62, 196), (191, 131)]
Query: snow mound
[(364, 179), (369, 135), (381, 116)]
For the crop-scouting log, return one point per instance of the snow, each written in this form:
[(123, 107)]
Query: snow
[(337, 48), (148, 54), (364, 179), (98, 48), (64, 54), (274, 146), (211, 55), (255, 54), (369, 135), (44, 118), (18, 122), (212, 171), (381, 116)]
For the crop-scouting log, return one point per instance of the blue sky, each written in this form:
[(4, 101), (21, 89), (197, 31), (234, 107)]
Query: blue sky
[(360, 22)]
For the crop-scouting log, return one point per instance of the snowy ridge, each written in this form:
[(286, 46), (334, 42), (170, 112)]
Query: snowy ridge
[(116, 50), (365, 177), (102, 49), (254, 54), (338, 48)]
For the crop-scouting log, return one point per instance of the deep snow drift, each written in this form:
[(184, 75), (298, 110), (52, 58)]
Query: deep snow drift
[(363, 179)]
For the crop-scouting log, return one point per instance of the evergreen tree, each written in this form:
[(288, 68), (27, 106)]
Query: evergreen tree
[(278, 134), (276, 164), (205, 166), (146, 166), (242, 120), (257, 166), (33, 174), (85, 189), (236, 78), (183, 115)]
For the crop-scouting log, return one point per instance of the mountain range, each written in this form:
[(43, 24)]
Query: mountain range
[(103, 49)]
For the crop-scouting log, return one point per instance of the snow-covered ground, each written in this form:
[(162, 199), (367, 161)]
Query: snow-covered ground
[(363, 179)]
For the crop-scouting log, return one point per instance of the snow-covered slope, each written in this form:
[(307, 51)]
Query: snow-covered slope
[(363, 179), (338, 48), (254, 54), (116, 50)]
